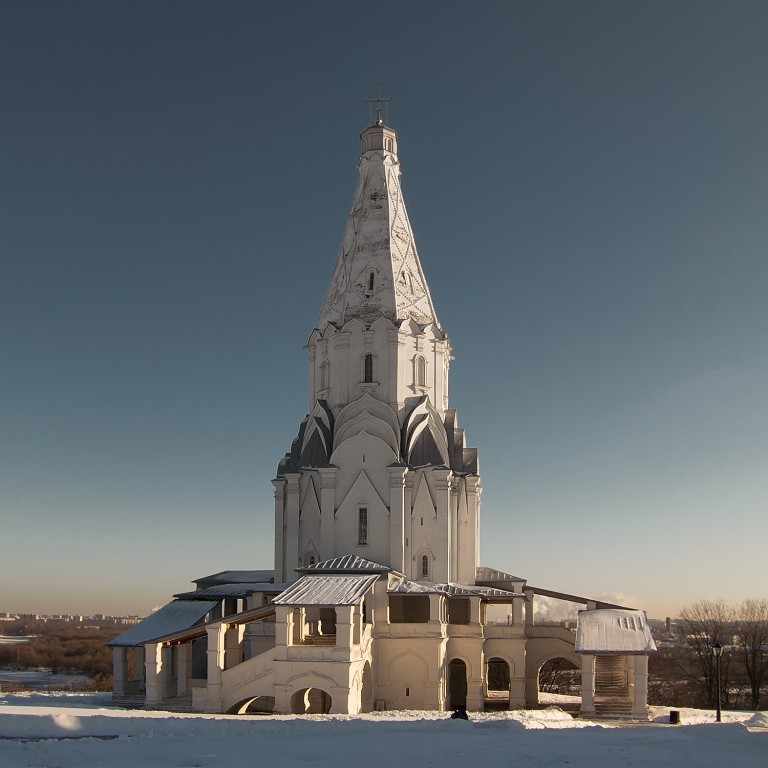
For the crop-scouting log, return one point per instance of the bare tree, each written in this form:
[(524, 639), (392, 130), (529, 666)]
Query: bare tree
[(751, 634), (705, 624)]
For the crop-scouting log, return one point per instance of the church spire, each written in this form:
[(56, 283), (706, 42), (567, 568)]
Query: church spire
[(378, 272)]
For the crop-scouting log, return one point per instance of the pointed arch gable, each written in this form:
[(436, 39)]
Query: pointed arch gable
[(353, 447), (423, 501), (431, 331), (362, 506), (382, 322), (410, 327), (365, 421), (422, 417), (362, 490), (310, 502), (355, 324), (317, 442), (367, 403)]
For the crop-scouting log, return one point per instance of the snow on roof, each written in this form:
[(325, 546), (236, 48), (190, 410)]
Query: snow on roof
[(326, 590), (405, 587), (346, 564), (483, 573), (228, 590), (174, 617), (611, 630), (237, 577)]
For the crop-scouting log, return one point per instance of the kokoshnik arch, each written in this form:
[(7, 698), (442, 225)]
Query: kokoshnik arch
[(377, 599)]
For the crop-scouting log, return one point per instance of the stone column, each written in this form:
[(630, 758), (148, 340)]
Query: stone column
[(640, 699), (475, 695), (344, 627), (455, 548), (184, 665), (397, 516), (517, 612), (233, 644), (327, 511), (216, 634), (409, 571), (292, 500), (474, 611), (139, 669), (119, 670), (340, 372), (394, 396), (436, 609), (517, 693), (442, 569), (279, 485), (529, 607), (153, 665), (587, 685), (283, 625), (470, 549)]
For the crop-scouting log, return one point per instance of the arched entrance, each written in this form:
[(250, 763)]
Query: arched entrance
[(310, 701), (457, 684), (497, 682), (559, 682), (366, 691)]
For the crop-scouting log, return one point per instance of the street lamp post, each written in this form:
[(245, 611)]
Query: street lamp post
[(717, 650)]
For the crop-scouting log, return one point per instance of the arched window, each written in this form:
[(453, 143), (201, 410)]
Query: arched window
[(368, 369), (371, 278), (388, 144), (421, 372), (424, 566), (324, 368)]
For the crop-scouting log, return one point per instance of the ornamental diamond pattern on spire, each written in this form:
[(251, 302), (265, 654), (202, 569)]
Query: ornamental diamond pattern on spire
[(377, 272)]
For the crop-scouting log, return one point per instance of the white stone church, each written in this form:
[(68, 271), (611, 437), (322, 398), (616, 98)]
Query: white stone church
[(377, 600)]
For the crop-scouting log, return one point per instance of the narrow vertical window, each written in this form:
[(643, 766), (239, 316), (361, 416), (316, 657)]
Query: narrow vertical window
[(421, 371), (425, 566), (371, 278), (324, 375), (368, 369), (362, 526)]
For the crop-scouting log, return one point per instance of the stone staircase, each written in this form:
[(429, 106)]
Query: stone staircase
[(176, 704), (612, 694)]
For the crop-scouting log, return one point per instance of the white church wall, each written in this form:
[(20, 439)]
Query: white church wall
[(374, 542)]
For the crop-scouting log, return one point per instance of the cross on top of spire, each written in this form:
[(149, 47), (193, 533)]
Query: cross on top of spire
[(380, 102)]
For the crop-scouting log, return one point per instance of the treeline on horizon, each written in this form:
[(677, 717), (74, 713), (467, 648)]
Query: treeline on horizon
[(62, 648)]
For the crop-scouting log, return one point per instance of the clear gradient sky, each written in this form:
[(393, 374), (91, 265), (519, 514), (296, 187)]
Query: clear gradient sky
[(588, 187)]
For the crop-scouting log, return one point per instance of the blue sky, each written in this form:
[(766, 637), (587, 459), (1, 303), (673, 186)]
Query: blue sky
[(588, 186)]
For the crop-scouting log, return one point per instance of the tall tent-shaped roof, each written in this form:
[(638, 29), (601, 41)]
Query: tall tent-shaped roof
[(378, 272)]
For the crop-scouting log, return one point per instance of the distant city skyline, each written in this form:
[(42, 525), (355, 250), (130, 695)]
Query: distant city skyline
[(587, 185)]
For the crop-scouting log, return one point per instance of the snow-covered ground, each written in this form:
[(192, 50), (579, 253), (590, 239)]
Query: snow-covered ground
[(67, 730)]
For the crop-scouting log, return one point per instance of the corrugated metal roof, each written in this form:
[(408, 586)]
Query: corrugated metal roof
[(229, 590), (326, 590), (611, 630), (346, 564), (405, 587), (174, 617), (483, 573)]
